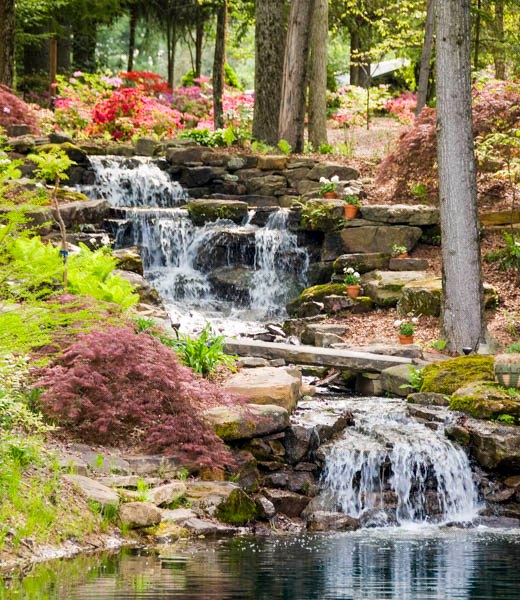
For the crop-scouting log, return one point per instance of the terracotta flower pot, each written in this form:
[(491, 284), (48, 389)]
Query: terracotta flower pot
[(351, 211), (330, 195), (403, 255), (405, 339), (353, 290)]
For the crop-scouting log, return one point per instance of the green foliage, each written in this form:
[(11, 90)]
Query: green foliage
[(418, 189), (414, 378), (509, 419), (230, 75), (450, 375), (352, 200), (326, 149), (511, 258), (203, 354), (142, 490), (285, 147), (261, 148), (397, 250), (52, 164), (219, 137), (317, 215), (513, 348)]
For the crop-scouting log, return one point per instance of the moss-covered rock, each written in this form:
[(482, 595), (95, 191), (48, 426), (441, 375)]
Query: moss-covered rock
[(485, 400), (205, 211), (319, 214), (237, 509), (449, 376), (65, 195), (316, 293), (74, 152)]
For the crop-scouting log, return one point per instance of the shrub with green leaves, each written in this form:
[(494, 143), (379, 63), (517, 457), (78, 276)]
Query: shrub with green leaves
[(513, 348)]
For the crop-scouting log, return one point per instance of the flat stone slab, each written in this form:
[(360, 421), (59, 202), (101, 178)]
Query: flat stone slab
[(378, 238), (93, 490), (361, 262), (407, 350), (309, 355), (385, 287), (252, 421), (408, 264), (402, 214), (393, 378)]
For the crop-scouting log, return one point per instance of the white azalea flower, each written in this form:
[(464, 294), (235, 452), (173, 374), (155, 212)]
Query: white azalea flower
[(397, 323), (356, 274), (349, 270), (334, 179), (324, 180)]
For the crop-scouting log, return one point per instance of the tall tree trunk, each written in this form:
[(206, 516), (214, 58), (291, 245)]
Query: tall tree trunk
[(269, 51), (171, 44), (462, 314), (355, 47), (219, 61), (7, 35), (64, 49), (318, 74), (199, 37), (477, 35), (426, 56), (131, 39), (292, 107), (499, 55), (84, 45)]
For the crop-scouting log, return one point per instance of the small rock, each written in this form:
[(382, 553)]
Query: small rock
[(166, 494), (332, 521), (501, 496), (178, 515), (207, 528), (429, 399), (513, 482), (252, 362), (93, 490), (286, 502), (266, 509), (277, 362), (139, 514)]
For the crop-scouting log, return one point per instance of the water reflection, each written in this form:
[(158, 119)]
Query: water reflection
[(422, 563)]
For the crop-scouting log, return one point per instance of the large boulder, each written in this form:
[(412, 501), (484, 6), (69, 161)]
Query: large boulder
[(423, 297), (299, 442), (286, 502), (94, 491), (147, 293), (225, 248), (329, 170), (129, 259), (232, 283), (267, 185), (167, 493), (395, 380), (139, 514), (84, 211), (316, 293), (485, 400), (363, 263), (267, 385), (450, 375), (385, 287), (401, 214), (378, 238), (495, 446), (331, 521), (205, 211), (222, 500), (251, 421)]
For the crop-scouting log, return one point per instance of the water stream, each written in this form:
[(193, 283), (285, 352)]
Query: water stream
[(234, 275)]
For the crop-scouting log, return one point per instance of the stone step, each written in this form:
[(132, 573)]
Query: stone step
[(310, 355)]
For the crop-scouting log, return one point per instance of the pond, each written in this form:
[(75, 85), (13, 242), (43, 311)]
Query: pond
[(416, 562)]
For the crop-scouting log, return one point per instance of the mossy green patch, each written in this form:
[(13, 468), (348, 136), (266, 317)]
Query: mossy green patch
[(485, 400), (449, 376), (316, 293), (237, 509)]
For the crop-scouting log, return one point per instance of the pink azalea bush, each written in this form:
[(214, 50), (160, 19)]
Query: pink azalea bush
[(402, 107), (348, 106)]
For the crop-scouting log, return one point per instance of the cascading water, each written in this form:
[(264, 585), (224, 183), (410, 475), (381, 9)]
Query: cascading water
[(390, 463), (234, 275)]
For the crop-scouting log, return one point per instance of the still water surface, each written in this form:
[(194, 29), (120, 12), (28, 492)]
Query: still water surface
[(418, 563)]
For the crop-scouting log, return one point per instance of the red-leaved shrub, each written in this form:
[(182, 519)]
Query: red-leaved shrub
[(496, 107), (113, 384), (14, 111)]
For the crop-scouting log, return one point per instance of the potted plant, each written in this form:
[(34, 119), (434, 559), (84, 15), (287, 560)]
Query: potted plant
[(328, 187), (351, 207), (352, 279), (399, 251), (406, 329), (507, 367)]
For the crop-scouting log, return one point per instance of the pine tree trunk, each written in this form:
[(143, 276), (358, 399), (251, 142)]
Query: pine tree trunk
[(269, 51), (131, 39), (292, 108), (318, 74), (171, 44), (477, 35), (462, 314), (199, 37), (218, 65), (498, 50), (7, 37), (355, 47), (426, 55)]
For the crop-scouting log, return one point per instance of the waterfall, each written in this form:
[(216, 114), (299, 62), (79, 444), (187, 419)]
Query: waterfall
[(235, 275), (135, 181), (389, 462)]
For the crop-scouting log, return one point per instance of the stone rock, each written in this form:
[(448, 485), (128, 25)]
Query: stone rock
[(92, 149), (23, 144), (316, 333), (302, 482), (345, 304), (222, 500), (484, 400), (459, 434), (121, 150), (498, 522), (237, 509), (251, 362), (74, 152), (101, 463), (424, 296), (267, 385), (17, 130), (299, 442), (180, 156), (245, 471), (298, 163), (271, 162), (307, 188), (319, 273), (428, 399), (232, 283), (513, 482), (225, 248), (328, 170), (129, 259), (375, 239), (295, 327), (326, 423), (87, 211), (448, 376), (146, 146), (265, 507), (500, 495), (495, 446), (363, 263), (167, 493), (205, 211), (368, 384), (207, 528), (236, 163), (154, 465), (287, 502), (178, 515), (73, 464), (196, 177), (267, 185), (58, 137), (408, 264), (253, 420), (315, 293), (127, 481), (393, 378), (431, 414), (93, 490), (262, 214), (406, 350), (147, 293), (402, 214), (277, 362), (385, 287), (139, 514), (332, 521)]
